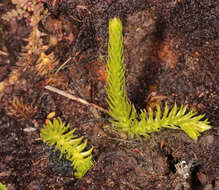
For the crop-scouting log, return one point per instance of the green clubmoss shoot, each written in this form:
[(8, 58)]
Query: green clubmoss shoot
[(125, 118), (57, 134)]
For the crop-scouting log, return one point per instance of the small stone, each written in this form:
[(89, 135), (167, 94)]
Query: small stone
[(202, 178), (209, 139), (208, 187), (216, 185), (29, 129)]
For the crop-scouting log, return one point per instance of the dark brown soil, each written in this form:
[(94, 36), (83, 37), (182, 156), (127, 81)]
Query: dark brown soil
[(171, 53)]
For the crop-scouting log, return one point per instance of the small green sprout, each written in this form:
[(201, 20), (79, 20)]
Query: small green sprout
[(2, 187)]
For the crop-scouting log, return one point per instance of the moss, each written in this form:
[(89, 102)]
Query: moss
[(126, 119), (57, 133)]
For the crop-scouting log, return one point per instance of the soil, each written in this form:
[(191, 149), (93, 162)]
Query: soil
[(171, 55)]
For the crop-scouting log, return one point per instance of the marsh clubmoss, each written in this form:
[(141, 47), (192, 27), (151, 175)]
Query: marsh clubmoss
[(125, 118), (57, 134), (2, 187)]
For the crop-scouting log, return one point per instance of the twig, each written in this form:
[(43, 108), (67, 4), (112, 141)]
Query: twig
[(72, 97), (3, 53), (63, 65)]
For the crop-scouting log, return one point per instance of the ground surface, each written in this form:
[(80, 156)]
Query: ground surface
[(171, 53)]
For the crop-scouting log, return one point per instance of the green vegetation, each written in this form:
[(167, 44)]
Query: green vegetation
[(126, 119), (2, 187), (57, 134)]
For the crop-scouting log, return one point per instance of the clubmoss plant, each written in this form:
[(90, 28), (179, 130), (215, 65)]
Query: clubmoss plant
[(121, 108), (123, 112), (57, 134), (2, 187)]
